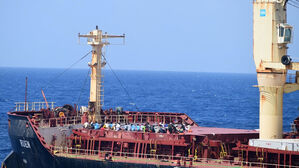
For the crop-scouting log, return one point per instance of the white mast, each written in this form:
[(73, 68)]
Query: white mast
[(95, 39)]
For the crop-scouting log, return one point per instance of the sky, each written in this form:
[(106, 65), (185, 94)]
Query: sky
[(161, 35)]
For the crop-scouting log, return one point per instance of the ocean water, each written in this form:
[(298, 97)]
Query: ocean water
[(211, 99)]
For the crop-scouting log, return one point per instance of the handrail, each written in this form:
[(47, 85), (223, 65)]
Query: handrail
[(62, 121), (32, 106), (86, 153), (132, 119), (79, 153), (136, 118)]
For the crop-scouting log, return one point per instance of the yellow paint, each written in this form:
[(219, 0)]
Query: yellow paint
[(269, 46), (97, 40)]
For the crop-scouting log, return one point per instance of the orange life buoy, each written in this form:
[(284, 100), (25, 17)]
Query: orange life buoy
[(61, 114)]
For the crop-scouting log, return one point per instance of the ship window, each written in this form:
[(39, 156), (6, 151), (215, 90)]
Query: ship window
[(288, 35), (281, 31), (284, 32)]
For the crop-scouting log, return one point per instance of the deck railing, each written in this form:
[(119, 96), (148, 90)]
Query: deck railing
[(33, 106), (155, 158), (60, 121), (137, 118), (291, 78), (125, 118)]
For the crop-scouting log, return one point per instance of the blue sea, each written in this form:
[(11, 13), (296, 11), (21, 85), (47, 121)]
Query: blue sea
[(211, 99)]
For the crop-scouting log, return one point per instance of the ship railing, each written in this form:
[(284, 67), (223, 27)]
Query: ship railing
[(121, 118), (291, 78), (60, 121), (33, 106), (155, 158), (112, 155), (137, 118)]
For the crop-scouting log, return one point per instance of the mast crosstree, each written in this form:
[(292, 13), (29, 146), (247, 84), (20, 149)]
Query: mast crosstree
[(97, 40)]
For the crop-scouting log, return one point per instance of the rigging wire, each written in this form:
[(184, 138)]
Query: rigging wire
[(121, 83), (295, 3), (82, 89), (70, 66), (60, 74)]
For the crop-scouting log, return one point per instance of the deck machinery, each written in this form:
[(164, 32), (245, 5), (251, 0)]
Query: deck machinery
[(64, 137)]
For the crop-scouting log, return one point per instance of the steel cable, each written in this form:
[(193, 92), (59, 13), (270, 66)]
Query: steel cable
[(294, 3), (120, 82), (82, 89), (60, 74)]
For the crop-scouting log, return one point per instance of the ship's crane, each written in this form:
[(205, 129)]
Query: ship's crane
[(271, 36), (97, 40)]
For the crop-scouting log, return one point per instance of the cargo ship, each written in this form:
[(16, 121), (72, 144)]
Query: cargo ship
[(45, 136)]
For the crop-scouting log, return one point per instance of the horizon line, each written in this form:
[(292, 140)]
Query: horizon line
[(149, 70)]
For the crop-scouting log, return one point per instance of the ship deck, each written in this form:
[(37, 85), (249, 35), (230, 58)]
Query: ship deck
[(197, 130), (206, 146)]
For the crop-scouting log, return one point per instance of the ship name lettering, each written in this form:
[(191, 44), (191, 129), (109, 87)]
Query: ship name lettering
[(25, 144)]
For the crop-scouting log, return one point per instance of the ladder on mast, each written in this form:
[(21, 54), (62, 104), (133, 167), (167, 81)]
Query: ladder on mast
[(96, 99)]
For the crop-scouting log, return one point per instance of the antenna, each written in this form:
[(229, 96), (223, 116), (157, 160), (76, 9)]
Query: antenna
[(26, 93), (78, 38)]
